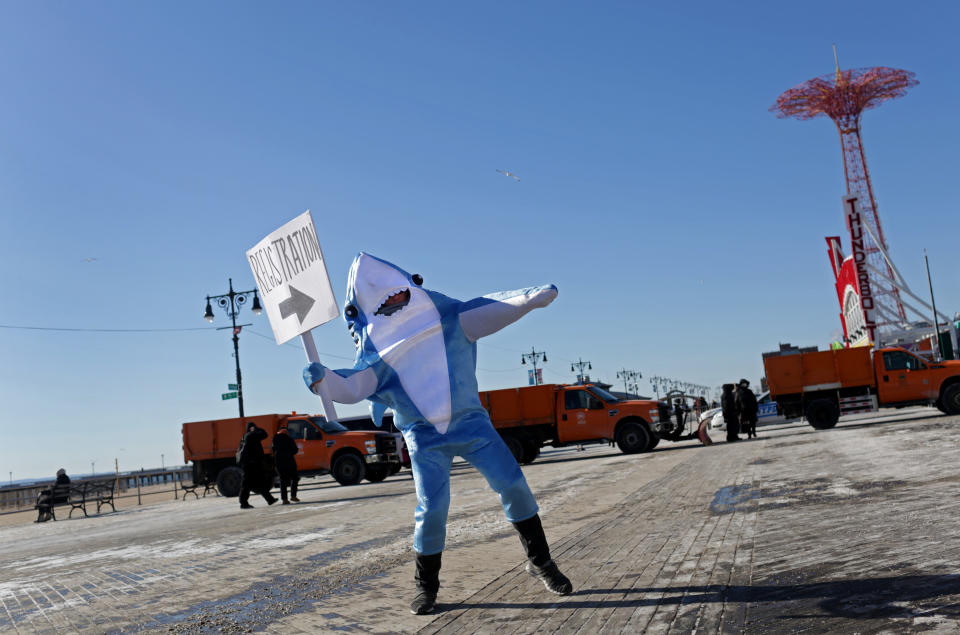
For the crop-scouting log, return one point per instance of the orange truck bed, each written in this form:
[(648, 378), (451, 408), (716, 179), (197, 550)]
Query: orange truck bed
[(529, 405), (220, 438), (823, 370)]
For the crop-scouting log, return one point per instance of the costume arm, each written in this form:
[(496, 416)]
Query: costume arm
[(490, 313), (343, 386)]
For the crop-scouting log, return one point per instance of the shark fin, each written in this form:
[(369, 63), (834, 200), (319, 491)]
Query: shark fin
[(376, 413)]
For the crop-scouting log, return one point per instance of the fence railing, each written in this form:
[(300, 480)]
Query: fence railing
[(127, 484)]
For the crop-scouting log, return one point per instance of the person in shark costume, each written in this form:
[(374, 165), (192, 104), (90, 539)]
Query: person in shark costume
[(417, 354)]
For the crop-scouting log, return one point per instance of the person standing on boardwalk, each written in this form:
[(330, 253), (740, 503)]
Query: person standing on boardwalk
[(679, 413), (747, 406), (731, 417), (284, 454), (417, 355), (251, 462)]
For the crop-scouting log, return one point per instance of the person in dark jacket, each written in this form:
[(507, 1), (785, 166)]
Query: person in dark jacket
[(284, 454), (728, 403), (747, 406), (59, 493), (255, 477), (679, 413), (62, 478)]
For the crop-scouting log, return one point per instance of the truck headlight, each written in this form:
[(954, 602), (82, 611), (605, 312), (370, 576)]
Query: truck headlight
[(371, 446)]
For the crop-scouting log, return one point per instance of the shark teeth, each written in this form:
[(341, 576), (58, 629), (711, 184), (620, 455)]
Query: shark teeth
[(395, 301)]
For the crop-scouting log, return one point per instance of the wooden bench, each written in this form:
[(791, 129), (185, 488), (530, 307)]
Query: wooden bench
[(102, 492), (191, 488), (59, 495), (76, 496)]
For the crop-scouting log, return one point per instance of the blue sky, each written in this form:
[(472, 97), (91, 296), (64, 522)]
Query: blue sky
[(682, 221)]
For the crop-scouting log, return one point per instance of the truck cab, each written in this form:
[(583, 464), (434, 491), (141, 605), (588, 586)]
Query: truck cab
[(589, 410), (320, 441), (905, 379)]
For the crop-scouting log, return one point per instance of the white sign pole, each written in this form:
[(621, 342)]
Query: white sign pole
[(292, 278), (310, 348)]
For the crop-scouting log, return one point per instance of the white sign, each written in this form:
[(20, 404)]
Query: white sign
[(292, 279)]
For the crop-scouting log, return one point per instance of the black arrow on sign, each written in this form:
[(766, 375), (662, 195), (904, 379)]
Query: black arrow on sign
[(298, 302)]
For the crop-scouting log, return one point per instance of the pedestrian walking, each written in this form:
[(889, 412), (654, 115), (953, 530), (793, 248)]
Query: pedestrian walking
[(747, 407), (731, 417), (284, 455), (251, 459)]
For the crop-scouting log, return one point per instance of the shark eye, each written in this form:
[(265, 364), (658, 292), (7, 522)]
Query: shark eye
[(350, 311), (417, 279)]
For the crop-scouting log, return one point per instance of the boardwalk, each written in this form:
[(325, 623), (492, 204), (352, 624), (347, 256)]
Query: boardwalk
[(848, 530)]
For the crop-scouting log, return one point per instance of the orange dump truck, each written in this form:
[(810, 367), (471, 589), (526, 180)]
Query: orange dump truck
[(531, 417), (825, 384), (325, 448)]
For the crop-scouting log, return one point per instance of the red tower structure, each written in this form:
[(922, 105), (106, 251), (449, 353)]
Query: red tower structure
[(843, 96)]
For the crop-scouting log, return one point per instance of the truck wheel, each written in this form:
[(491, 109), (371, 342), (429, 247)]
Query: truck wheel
[(531, 450), (376, 473), (654, 442), (822, 414), (515, 447), (632, 438), (395, 468), (348, 469), (228, 481), (950, 399)]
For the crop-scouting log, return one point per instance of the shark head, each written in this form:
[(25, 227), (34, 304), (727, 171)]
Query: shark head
[(385, 306)]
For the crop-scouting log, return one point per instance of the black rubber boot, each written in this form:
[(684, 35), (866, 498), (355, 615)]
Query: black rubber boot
[(540, 565), (427, 578)]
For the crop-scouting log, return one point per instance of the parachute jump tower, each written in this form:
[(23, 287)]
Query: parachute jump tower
[(877, 307)]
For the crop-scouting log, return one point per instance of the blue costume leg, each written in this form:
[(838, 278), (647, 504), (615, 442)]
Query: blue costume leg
[(491, 456), (431, 474)]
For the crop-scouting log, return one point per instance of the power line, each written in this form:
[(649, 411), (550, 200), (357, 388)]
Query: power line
[(298, 346), (56, 328)]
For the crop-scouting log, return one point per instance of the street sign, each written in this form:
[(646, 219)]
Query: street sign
[(292, 279), (232, 387), (228, 395)]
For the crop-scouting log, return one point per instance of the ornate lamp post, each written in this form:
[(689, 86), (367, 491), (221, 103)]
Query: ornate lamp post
[(231, 303), (534, 356), (628, 377), (581, 366)]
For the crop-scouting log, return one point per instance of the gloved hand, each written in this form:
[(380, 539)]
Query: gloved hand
[(313, 374)]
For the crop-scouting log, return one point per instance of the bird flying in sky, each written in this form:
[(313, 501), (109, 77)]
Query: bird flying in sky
[(89, 259), (510, 174)]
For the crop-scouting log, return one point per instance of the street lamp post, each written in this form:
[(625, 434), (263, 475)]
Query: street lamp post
[(534, 356), (628, 376), (231, 303), (581, 365)]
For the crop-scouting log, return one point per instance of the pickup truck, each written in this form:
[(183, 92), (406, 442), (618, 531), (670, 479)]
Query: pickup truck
[(325, 448), (531, 417), (825, 384)]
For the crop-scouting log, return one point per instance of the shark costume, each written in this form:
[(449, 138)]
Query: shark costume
[(417, 354)]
